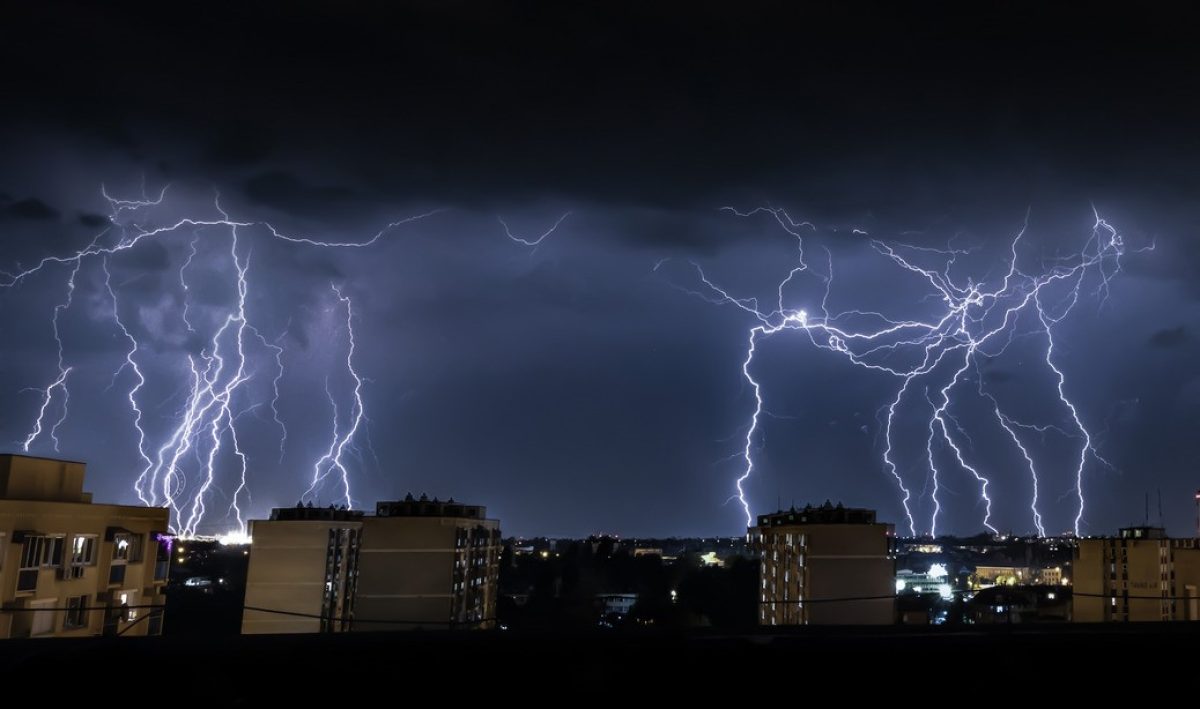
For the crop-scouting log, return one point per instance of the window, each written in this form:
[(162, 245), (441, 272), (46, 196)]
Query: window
[(127, 547), (162, 556), (41, 550), (83, 551), (126, 599), (37, 551), (155, 623), (53, 551), (77, 613)]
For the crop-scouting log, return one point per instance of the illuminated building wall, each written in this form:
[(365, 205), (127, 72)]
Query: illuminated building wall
[(69, 567), (414, 564), (988, 576), (825, 565), (1139, 575), (429, 564), (303, 568)]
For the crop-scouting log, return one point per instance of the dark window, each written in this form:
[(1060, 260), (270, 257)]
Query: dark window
[(41, 551), (116, 574), (27, 580), (31, 553), (53, 553), (77, 614), (162, 557), (154, 624)]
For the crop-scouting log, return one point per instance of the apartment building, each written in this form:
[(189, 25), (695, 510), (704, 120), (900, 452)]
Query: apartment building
[(72, 567), (415, 563), (1139, 575), (827, 565)]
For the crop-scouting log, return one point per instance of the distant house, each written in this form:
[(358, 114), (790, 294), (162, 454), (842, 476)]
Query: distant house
[(1020, 604)]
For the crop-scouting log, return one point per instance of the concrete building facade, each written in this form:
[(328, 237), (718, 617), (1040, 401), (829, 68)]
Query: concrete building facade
[(70, 567), (416, 563), (1139, 575), (303, 571), (828, 565)]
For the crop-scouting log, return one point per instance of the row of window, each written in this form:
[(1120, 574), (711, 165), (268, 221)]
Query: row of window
[(47, 550)]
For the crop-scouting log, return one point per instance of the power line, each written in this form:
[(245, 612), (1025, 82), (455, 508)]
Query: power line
[(161, 608)]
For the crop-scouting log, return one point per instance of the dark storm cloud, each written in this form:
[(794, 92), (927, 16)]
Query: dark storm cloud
[(29, 208), (552, 383), (997, 376), (1171, 338), (239, 146), (93, 221), (693, 107), (148, 257), (289, 193)]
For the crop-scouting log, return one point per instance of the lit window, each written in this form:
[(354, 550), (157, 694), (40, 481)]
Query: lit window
[(83, 551), (127, 547)]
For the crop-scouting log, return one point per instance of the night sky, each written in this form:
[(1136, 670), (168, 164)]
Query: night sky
[(574, 387)]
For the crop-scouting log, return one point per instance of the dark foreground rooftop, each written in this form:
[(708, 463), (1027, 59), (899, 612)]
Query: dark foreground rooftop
[(575, 669)]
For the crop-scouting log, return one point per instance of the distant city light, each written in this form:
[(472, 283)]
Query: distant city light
[(235, 538)]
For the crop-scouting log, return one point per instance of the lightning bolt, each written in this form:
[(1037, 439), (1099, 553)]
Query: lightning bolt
[(60, 382), (131, 395), (974, 320), (183, 282), (536, 241), (331, 460), (182, 468)]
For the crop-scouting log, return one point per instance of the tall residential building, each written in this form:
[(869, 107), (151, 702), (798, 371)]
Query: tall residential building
[(414, 564), (1139, 575), (69, 567), (825, 566), (303, 564)]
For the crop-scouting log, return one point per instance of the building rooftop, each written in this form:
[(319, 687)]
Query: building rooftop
[(6, 457), (408, 507), (424, 507), (308, 512), (1142, 533), (33, 478), (827, 513)]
